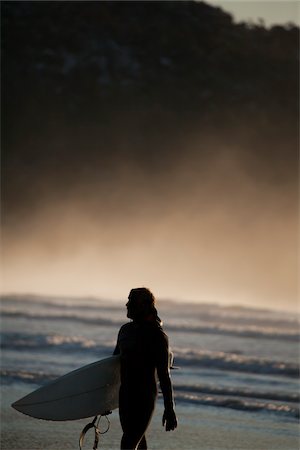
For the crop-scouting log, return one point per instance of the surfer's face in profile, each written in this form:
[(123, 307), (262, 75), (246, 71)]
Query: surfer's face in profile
[(140, 305), (135, 308)]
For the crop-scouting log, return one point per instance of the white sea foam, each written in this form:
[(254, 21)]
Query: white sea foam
[(234, 362), (184, 356), (239, 404)]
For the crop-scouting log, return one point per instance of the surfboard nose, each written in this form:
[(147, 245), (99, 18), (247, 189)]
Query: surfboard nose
[(16, 406)]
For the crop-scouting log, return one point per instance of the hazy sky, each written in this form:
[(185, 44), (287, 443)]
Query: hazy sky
[(272, 12), (203, 230), (195, 214)]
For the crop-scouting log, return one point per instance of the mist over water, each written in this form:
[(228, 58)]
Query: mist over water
[(203, 229)]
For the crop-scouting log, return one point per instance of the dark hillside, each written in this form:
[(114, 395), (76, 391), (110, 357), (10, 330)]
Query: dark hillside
[(87, 84)]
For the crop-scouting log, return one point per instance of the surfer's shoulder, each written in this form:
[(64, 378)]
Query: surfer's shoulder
[(159, 332), (126, 326)]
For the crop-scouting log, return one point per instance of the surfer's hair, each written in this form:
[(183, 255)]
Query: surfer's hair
[(145, 295)]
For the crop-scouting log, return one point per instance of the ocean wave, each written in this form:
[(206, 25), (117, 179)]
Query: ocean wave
[(21, 341), (98, 320), (216, 329), (234, 362), (60, 304), (238, 331), (201, 359), (239, 404), (214, 398), (16, 376), (239, 392), (227, 316), (201, 309)]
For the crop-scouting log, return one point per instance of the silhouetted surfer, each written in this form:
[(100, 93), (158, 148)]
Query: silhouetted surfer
[(144, 348)]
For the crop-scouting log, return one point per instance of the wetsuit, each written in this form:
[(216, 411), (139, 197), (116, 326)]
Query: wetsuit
[(143, 347)]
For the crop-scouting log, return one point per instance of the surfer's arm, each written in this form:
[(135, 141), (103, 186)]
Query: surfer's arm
[(166, 387), (169, 417)]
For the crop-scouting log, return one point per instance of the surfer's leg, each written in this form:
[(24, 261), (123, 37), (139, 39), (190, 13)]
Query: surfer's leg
[(142, 444), (131, 442), (134, 425), (135, 412), (134, 436)]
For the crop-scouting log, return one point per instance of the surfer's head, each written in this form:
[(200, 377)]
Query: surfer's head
[(141, 304)]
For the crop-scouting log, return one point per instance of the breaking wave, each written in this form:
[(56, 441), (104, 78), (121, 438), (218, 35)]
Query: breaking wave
[(21, 341), (239, 404), (24, 376), (235, 362), (213, 328), (196, 395), (183, 357), (245, 331), (239, 392), (61, 317)]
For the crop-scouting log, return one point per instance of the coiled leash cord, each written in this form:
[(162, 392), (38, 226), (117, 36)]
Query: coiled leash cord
[(97, 430)]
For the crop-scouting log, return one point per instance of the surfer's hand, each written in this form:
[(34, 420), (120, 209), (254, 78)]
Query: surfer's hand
[(169, 419)]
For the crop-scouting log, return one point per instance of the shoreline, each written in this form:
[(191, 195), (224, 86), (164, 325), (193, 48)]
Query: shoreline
[(205, 427)]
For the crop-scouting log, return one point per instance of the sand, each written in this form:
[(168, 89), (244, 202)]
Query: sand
[(200, 427)]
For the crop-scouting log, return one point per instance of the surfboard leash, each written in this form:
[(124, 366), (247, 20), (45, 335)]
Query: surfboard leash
[(97, 430)]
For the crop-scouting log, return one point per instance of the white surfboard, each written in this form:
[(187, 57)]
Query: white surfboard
[(89, 391)]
